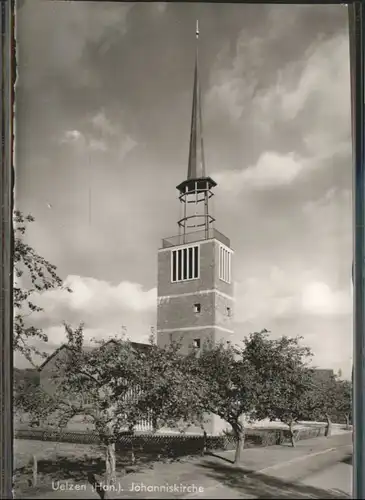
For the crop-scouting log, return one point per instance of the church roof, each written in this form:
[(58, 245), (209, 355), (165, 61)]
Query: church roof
[(135, 345)]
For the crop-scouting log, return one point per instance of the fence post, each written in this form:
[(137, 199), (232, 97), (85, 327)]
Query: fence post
[(35, 470)]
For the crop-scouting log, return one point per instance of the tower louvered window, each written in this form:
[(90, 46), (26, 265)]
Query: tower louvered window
[(225, 264), (185, 264)]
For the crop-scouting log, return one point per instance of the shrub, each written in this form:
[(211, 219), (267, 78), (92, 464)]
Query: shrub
[(172, 445)]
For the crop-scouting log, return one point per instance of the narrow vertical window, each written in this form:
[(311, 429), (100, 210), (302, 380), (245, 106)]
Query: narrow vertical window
[(185, 264), (196, 262), (225, 265), (179, 265), (227, 258), (182, 263), (220, 262), (190, 262), (174, 276)]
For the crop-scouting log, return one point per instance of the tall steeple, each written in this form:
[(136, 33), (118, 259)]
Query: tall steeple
[(194, 285), (196, 167), (196, 190)]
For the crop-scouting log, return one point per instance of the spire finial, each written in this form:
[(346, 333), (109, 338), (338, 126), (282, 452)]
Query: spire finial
[(197, 29)]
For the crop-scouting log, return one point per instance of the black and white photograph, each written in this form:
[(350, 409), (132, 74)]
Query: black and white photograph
[(183, 254)]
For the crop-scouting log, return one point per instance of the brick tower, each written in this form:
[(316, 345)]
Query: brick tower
[(195, 285)]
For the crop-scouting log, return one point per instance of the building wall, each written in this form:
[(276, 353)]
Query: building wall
[(53, 368), (175, 308), (224, 317), (323, 375), (176, 315), (206, 280), (213, 425), (209, 274), (178, 312), (186, 338)]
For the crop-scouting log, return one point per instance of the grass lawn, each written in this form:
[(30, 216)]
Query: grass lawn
[(56, 461), (67, 461)]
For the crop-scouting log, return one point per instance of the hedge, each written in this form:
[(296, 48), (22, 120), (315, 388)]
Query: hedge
[(172, 444)]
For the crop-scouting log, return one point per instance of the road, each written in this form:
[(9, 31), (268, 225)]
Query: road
[(336, 478), (323, 473), (329, 481)]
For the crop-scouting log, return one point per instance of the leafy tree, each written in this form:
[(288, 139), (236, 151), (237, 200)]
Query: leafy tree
[(26, 383), (283, 375), (169, 392), (231, 387), (85, 383), (331, 400), (34, 402), (344, 400), (33, 273)]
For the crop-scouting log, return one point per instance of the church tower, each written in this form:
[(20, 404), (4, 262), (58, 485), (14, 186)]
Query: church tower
[(195, 281)]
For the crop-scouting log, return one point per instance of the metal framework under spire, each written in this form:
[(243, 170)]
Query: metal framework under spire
[(196, 190)]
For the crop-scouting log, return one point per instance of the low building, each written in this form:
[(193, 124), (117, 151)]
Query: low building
[(323, 375), (51, 370)]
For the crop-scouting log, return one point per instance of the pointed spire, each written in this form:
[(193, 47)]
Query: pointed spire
[(196, 167)]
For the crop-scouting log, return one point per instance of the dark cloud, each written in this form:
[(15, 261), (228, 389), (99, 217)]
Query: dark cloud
[(102, 120)]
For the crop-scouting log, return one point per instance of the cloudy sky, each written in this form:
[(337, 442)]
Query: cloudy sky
[(103, 110)]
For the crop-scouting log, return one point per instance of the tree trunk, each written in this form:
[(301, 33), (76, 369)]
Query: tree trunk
[(328, 431), (154, 424), (291, 431), (239, 434), (131, 431), (107, 462), (347, 417), (204, 443), (110, 463)]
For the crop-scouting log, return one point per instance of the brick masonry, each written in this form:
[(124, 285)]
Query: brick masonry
[(175, 308)]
